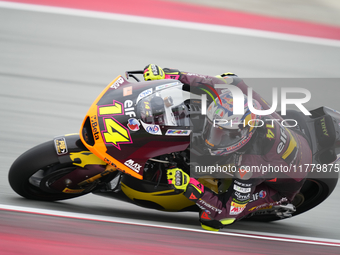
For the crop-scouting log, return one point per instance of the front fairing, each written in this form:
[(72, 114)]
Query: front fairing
[(114, 131)]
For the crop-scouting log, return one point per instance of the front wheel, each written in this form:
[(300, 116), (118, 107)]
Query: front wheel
[(32, 167)]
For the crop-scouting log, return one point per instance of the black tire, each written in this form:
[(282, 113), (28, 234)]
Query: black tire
[(314, 192), (41, 157)]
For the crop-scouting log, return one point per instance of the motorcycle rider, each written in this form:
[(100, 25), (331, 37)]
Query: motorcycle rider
[(270, 146)]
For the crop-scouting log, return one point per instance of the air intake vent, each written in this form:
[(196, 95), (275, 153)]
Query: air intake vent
[(87, 132)]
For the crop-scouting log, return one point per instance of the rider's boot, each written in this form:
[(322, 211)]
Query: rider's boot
[(208, 223)]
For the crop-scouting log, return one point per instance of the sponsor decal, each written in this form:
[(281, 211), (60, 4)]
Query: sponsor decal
[(205, 215), (132, 165), (95, 128), (258, 195), (167, 85), (178, 132), (262, 194), (133, 124), (114, 132), (108, 161), (152, 129), (235, 210), (129, 109), (117, 83), (60, 145), (155, 70), (192, 196), (204, 205), (127, 91), (242, 184), (240, 202), (200, 206), (241, 197), (241, 143), (243, 173), (323, 126), (242, 190), (238, 205), (143, 94)]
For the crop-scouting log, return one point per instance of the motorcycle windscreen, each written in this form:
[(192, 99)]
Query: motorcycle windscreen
[(166, 107), (129, 123)]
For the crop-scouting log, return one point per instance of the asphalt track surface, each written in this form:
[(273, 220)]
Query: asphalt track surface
[(52, 66)]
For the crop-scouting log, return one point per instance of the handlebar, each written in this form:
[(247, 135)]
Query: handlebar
[(131, 74)]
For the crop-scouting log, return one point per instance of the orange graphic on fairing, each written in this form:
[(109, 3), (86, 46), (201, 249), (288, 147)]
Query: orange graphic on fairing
[(114, 134)]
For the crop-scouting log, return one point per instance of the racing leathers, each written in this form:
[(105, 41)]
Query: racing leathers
[(267, 167)]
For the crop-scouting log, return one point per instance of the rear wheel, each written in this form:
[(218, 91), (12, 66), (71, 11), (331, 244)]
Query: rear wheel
[(313, 192), (31, 174)]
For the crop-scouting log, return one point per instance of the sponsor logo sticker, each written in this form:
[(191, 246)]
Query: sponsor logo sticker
[(262, 194), (235, 210), (152, 129), (127, 91), (95, 127), (167, 85), (60, 145), (242, 197), (132, 165), (133, 124), (241, 190), (178, 132), (143, 94), (117, 83), (238, 205)]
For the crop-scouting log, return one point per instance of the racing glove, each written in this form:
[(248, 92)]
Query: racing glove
[(181, 181), (227, 74), (153, 72)]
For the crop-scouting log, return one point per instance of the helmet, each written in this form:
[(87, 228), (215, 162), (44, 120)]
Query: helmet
[(225, 132), (153, 72)]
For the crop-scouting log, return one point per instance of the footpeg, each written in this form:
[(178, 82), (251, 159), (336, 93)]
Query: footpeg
[(284, 211)]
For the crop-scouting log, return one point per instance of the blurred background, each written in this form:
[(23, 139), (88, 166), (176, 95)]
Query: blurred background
[(317, 11)]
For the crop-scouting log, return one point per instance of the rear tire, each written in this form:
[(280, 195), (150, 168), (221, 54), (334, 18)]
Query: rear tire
[(314, 192), (42, 157)]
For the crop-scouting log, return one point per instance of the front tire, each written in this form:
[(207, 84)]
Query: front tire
[(42, 158)]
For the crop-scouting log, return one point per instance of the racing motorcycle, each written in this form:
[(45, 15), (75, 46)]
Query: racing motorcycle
[(134, 131)]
